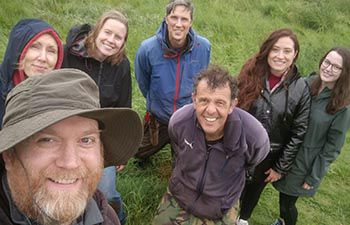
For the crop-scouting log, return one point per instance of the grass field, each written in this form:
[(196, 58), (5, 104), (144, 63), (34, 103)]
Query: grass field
[(235, 28)]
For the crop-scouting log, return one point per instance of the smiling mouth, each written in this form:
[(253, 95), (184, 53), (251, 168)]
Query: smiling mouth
[(107, 46), (40, 67), (64, 181), (178, 31), (327, 74), (279, 62), (210, 119)]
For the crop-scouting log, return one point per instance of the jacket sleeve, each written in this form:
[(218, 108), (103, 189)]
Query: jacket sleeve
[(209, 53), (143, 70), (331, 150), (126, 87), (298, 131), (258, 144)]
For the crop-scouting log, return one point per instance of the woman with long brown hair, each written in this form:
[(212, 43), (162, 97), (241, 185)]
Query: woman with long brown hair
[(271, 89)]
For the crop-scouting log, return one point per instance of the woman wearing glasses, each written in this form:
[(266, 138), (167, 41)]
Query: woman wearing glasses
[(329, 121)]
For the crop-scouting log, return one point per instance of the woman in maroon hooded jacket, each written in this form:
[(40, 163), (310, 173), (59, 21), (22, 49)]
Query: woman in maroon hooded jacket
[(33, 48)]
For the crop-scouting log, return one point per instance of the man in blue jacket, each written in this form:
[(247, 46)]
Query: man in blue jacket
[(165, 67), (214, 143)]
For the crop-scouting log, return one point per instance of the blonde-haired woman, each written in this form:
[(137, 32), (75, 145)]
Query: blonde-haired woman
[(99, 51)]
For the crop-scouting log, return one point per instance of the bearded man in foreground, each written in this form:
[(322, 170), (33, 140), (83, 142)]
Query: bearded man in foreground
[(54, 144)]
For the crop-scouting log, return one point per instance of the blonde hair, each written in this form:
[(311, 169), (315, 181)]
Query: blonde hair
[(90, 40)]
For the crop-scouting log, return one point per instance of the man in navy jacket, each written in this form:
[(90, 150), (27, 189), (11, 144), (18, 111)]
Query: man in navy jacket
[(165, 67), (214, 144)]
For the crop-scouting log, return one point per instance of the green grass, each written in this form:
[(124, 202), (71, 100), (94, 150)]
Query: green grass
[(235, 28)]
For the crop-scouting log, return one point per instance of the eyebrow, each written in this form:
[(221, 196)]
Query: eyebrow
[(36, 42), (53, 47), (276, 46)]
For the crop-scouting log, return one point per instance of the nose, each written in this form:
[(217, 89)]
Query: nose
[(178, 22), (68, 157), (110, 38), (211, 109), (280, 54), (42, 55)]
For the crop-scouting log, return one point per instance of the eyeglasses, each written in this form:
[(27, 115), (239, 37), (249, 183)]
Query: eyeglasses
[(335, 68)]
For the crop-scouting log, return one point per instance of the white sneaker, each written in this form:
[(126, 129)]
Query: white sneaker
[(241, 222)]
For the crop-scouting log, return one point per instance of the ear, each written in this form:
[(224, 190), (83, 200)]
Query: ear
[(8, 157), (296, 52), (234, 103), (193, 98)]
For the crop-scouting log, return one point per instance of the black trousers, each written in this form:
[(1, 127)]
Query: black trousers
[(288, 209), (253, 189)]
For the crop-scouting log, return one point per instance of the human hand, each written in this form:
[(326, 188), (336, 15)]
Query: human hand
[(306, 186), (272, 176), (120, 167)]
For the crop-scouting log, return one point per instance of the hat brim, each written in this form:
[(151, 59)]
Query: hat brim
[(121, 135)]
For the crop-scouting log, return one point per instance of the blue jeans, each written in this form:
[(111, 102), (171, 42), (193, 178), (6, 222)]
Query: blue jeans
[(107, 186)]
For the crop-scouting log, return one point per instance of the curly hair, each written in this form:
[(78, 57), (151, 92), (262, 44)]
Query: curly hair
[(250, 78), (90, 40), (340, 96), (217, 77)]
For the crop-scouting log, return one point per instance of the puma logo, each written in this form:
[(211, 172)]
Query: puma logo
[(189, 144)]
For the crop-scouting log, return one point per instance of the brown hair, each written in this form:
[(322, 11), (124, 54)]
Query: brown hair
[(340, 96), (217, 77), (250, 78), (90, 40), (173, 3)]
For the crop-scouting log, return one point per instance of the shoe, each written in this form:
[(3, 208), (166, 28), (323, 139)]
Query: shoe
[(241, 222), (278, 222)]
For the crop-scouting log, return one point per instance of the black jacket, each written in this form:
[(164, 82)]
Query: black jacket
[(114, 81), (285, 114)]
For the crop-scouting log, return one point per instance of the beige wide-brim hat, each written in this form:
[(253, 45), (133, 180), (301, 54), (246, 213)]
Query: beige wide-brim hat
[(41, 101)]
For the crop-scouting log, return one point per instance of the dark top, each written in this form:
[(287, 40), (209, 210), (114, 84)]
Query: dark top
[(114, 81)]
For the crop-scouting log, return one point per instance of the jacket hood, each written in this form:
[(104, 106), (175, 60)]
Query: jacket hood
[(161, 35), (75, 41), (22, 35)]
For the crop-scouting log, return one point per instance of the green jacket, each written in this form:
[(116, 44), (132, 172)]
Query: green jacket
[(322, 144)]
